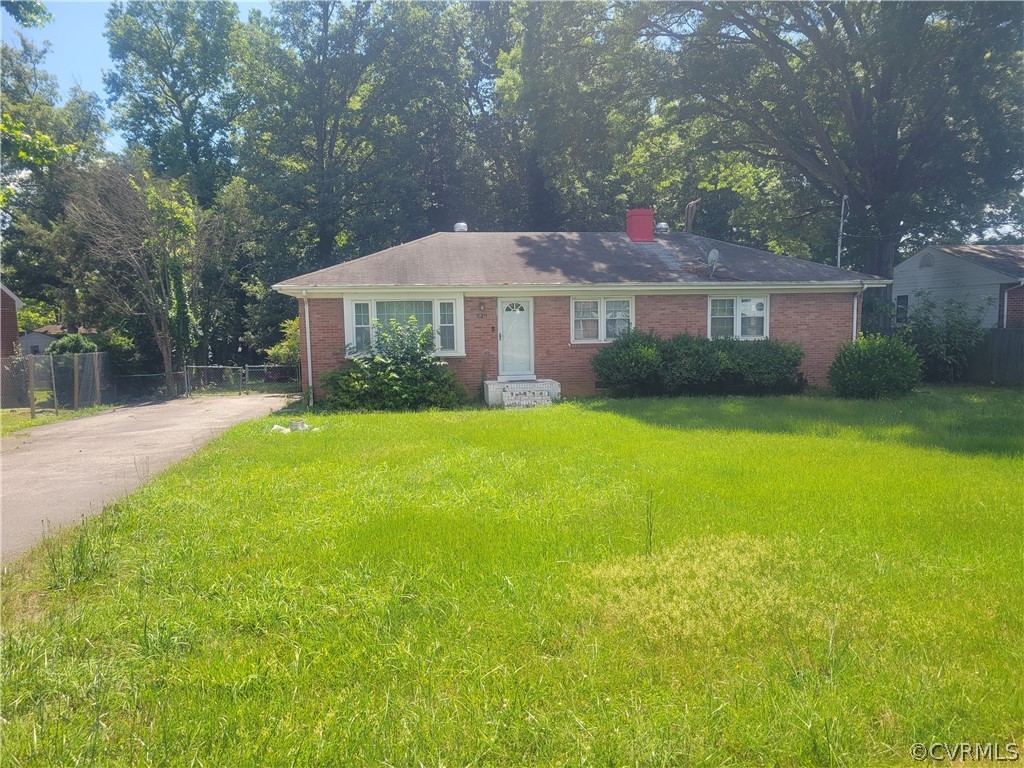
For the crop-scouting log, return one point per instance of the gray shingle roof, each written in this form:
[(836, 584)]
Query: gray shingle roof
[(1006, 259), (566, 258)]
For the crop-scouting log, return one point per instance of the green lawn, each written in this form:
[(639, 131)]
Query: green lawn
[(16, 419), (784, 582)]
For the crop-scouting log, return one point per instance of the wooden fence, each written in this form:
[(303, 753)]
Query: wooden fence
[(999, 359)]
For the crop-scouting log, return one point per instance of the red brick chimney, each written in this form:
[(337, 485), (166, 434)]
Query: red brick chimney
[(640, 225)]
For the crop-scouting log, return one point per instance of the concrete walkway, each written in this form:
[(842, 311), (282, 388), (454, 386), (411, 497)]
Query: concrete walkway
[(59, 473)]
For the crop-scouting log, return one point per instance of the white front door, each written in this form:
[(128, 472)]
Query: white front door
[(515, 340)]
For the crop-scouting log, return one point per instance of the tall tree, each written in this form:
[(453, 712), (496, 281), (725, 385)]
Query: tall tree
[(171, 88), (140, 239), (910, 109)]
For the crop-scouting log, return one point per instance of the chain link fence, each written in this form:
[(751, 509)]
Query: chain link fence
[(66, 382), (55, 382)]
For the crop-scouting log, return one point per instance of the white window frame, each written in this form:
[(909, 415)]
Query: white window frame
[(435, 301), (602, 317), (736, 319)]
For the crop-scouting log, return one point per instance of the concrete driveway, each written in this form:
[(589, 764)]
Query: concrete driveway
[(58, 473)]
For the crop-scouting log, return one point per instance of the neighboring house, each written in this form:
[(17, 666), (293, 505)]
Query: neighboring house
[(34, 342), (987, 277), (9, 306), (537, 306)]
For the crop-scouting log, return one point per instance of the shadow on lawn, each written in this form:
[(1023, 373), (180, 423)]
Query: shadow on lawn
[(961, 420)]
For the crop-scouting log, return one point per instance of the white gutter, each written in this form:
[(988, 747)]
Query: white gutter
[(1006, 301), (605, 289), (309, 348), (856, 302)]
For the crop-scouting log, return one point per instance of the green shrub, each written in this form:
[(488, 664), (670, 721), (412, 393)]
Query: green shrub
[(70, 344), (691, 365), (400, 373), (944, 336), (875, 367), (762, 366), (642, 364), (631, 365), (124, 356)]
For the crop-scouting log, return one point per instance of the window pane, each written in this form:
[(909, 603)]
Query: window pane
[(586, 310), (362, 312), (721, 326), (616, 309), (401, 311), (362, 338), (615, 328), (752, 314), (447, 334), (446, 313), (722, 307), (585, 330)]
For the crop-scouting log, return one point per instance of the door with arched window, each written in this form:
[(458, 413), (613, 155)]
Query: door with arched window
[(515, 340)]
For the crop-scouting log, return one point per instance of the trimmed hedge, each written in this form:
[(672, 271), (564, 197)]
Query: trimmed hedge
[(875, 367), (640, 364)]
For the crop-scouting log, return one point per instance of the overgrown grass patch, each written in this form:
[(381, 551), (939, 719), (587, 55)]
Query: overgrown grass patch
[(785, 581)]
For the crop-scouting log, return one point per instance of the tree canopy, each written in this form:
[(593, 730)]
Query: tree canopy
[(322, 131)]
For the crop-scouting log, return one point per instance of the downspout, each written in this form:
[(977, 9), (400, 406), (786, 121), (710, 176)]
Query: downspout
[(309, 348), (856, 301), (1006, 302)]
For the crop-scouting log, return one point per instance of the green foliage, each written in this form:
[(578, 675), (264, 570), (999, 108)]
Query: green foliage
[(631, 366), (943, 336), (875, 367), (286, 351), (70, 344), (639, 364), (401, 373), (124, 355), (35, 314), (27, 13)]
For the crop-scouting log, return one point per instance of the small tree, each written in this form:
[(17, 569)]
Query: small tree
[(401, 373), (943, 336), (286, 351)]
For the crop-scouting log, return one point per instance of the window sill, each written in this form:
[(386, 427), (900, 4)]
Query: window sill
[(589, 343)]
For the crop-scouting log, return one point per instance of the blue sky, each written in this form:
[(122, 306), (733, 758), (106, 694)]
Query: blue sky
[(78, 50)]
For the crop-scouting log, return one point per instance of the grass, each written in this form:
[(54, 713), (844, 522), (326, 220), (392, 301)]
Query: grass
[(786, 582), (16, 419)]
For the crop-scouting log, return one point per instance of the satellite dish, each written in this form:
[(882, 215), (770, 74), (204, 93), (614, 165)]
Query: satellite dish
[(713, 256)]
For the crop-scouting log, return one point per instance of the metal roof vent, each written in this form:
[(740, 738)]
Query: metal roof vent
[(462, 227), (661, 228)]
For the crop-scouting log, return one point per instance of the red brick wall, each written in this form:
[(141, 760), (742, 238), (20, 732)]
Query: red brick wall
[(8, 325), (819, 322), (1014, 302), (327, 317)]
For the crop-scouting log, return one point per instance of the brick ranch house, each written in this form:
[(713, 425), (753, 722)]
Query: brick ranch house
[(536, 306)]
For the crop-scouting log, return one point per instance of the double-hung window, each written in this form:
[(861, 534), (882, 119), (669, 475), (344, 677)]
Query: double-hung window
[(442, 315), (601, 319), (739, 317)]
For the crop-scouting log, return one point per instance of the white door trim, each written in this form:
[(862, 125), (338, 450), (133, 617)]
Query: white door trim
[(502, 376)]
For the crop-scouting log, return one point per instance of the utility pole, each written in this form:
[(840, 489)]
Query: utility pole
[(843, 214)]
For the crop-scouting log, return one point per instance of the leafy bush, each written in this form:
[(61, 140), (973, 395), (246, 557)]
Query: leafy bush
[(642, 364), (762, 366), (631, 365), (286, 351), (691, 364), (944, 337), (875, 367), (400, 373), (70, 344)]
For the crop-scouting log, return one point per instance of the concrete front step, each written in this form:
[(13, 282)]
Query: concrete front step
[(521, 394)]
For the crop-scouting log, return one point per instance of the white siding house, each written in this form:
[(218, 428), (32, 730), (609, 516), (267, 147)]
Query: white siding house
[(980, 275)]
